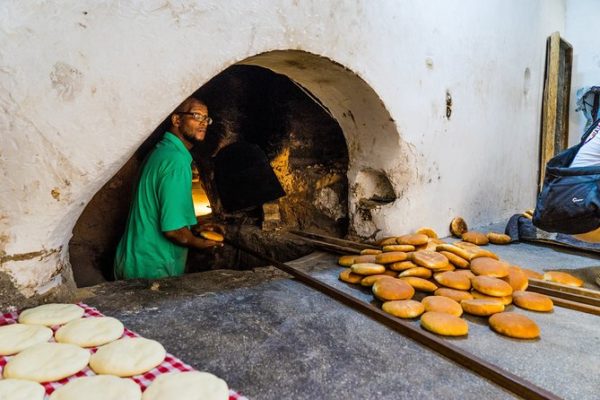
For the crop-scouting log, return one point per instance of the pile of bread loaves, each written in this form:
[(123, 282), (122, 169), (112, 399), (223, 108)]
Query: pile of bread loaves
[(38, 354), (459, 278)]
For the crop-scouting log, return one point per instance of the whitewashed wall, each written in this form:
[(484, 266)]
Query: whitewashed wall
[(83, 83), (581, 30)]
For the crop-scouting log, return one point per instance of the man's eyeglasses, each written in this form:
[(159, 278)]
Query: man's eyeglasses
[(199, 117)]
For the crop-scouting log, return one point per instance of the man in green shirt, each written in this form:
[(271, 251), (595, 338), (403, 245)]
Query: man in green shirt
[(158, 235)]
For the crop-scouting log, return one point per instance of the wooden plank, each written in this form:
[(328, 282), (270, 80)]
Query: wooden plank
[(566, 288), (574, 305), (334, 240)]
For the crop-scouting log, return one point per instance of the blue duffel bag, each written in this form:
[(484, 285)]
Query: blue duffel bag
[(570, 198)]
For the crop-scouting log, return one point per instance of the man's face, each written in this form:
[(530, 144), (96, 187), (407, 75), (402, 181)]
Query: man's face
[(191, 128)]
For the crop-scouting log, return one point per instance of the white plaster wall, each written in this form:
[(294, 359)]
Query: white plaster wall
[(83, 83), (581, 30)]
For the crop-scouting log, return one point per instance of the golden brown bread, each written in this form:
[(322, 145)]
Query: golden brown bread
[(403, 308), (387, 289), (506, 300), (369, 280), (458, 226), (387, 240), (442, 304), (370, 252), (482, 307), (562, 277), (402, 265), (419, 272), (427, 231), (444, 324), (456, 295), (399, 247), (367, 269), (415, 239), (474, 237), (516, 278), (491, 286), (350, 277), (367, 258), (390, 257), (533, 301), (346, 261), (475, 251), (210, 235), (429, 259), (532, 274), (466, 272), (498, 238), (489, 267), (453, 280), (455, 260), (420, 284), (514, 325)]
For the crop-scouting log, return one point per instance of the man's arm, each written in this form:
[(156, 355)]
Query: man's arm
[(185, 237)]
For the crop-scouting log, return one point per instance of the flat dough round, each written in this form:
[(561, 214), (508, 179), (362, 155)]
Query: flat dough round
[(47, 362), (51, 314), (15, 338), (19, 389), (90, 332), (187, 386), (127, 357), (99, 387)]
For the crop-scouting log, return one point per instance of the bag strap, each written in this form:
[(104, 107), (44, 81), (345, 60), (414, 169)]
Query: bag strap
[(589, 131)]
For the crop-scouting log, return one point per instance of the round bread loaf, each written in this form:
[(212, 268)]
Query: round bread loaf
[(399, 247), (427, 231), (458, 227), (429, 259), (474, 251), (105, 387), (367, 269), (474, 237), (455, 260), (466, 272), (51, 314), (15, 338), (419, 272), (453, 280), (462, 253), (390, 257), (387, 289), (450, 267), (20, 389), (532, 274), (368, 281), (420, 284), (370, 252), (192, 385), (489, 267), (533, 301), (562, 277), (90, 332), (402, 265), (346, 261), (403, 308), (456, 295), (498, 238), (516, 278), (391, 273), (350, 277), (514, 325), (431, 245), (367, 258), (506, 300), (482, 307), (413, 239), (210, 235), (491, 286), (444, 324), (442, 304), (387, 241), (127, 357)]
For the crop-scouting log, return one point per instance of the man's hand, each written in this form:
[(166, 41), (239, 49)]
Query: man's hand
[(208, 224)]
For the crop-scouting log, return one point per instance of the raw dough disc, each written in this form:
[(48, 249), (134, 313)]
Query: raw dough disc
[(187, 386), (47, 362), (19, 389), (99, 387), (90, 332), (51, 314), (128, 357), (17, 337)]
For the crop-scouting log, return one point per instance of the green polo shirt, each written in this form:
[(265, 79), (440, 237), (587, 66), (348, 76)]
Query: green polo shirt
[(162, 202)]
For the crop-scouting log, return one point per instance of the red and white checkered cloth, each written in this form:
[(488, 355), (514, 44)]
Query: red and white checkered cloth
[(170, 364)]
